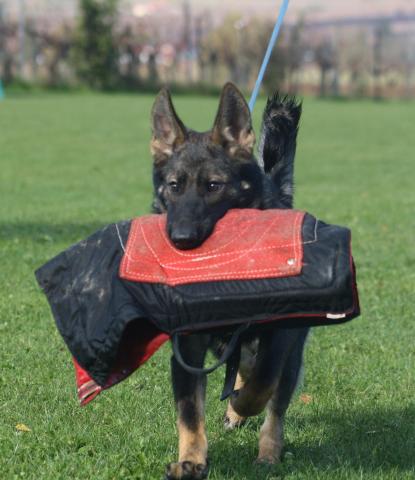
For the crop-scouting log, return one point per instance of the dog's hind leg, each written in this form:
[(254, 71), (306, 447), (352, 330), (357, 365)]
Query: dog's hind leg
[(271, 437), (249, 352), (273, 350), (252, 398), (232, 419), (189, 395)]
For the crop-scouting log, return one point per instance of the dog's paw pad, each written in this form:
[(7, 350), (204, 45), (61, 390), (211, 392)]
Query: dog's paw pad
[(186, 471), (232, 420), (268, 460)]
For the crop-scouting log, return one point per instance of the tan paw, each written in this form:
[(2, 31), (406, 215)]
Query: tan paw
[(186, 471), (269, 459), (269, 450), (232, 419)]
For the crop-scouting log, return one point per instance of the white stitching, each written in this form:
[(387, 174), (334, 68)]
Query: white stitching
[(119, 237), (315, 234), (192, 267), (201, 255), (247, 274), (134, 237), (243, 253), (178, 252)]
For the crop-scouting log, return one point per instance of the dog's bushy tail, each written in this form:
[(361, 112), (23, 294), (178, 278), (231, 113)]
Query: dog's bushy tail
[(277, 144)]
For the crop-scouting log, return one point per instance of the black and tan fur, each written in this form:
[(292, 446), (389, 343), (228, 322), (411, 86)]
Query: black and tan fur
[(198, 177)]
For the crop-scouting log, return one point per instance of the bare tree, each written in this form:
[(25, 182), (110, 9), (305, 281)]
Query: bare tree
[(294, 54), (8, 49), (55, 47), (326, 61), (380, 34)]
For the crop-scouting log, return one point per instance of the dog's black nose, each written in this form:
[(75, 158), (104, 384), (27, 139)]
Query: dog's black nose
[(185, 237)]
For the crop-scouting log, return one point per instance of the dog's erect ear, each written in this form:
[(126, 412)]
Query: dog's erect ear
[(233, 127), (168, 130)]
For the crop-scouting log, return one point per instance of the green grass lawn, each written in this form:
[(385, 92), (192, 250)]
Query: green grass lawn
[(70, 164)]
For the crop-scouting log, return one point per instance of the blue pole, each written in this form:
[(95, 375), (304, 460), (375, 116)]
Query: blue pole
[(267, 55), (2, 96)]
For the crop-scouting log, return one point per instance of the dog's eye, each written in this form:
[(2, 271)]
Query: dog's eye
[(173, 186), (214, 186)]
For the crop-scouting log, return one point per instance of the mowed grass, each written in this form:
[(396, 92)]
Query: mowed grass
[(70, 164)]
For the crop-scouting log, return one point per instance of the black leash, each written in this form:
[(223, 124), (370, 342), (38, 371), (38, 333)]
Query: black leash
[(231, 356)]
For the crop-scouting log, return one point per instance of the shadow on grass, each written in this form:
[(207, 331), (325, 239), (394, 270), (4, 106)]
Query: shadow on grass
[(49, 232), (354, 441)]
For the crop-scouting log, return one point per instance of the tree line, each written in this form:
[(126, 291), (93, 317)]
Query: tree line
[(103, 51)]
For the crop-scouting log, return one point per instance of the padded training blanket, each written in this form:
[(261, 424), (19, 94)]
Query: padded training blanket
[(114, 309), (242, 247)]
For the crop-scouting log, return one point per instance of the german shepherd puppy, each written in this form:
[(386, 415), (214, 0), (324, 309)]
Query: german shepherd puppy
[(198, 177)]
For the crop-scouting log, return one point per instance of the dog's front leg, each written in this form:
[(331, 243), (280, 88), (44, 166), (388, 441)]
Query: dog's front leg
[(189, 394)]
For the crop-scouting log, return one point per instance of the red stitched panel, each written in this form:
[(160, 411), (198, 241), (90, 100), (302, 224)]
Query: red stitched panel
[(245, 244), (138, 344)]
